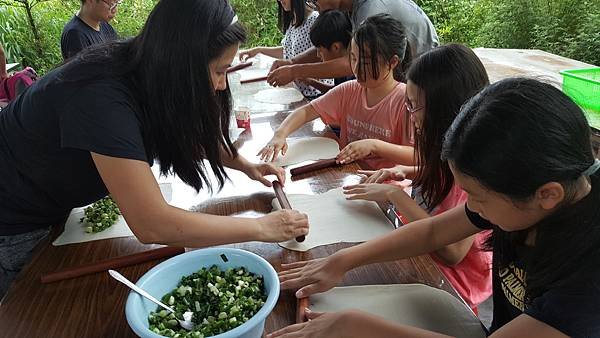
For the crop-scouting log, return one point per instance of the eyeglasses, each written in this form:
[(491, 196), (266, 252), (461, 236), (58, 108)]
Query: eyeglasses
[(311, 3), (411, 110), (113, 5)]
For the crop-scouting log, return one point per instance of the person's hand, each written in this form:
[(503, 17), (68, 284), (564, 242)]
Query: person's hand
[(397, 173), (270, 152), (320, 324), (356, 150), (281, 76), (280, 62), (282, 225), (248, 53), (310, 277), (258, 172), (377, 192)]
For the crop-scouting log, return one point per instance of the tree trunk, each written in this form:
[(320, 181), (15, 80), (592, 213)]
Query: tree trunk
[(34, 29)]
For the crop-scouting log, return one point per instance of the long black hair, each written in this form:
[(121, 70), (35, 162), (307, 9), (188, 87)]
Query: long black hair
[(384, 37), (514, 137), (449, 75), (296, 16), (166, 67)]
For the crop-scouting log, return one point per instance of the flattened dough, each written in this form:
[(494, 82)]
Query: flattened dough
[(409, 304), (74, 231), (279, 95), (305, 149), (333, 219)]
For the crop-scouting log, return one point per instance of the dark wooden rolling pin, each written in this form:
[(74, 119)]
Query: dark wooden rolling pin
[(322, 164), (256, 79), (301, 305), (239, 66), (284, 203), (112, 263)]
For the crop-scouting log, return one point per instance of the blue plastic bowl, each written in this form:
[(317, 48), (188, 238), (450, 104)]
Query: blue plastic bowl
[(164, 277)]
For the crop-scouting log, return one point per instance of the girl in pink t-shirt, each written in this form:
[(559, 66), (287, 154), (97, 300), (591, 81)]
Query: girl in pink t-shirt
[(439, 82), (370, 110)]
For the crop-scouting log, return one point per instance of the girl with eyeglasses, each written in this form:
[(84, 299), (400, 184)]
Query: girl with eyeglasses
[(439, 83), (369, 110), (95, 126)]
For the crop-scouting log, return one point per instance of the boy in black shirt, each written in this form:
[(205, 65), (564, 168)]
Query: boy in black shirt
[(89, 26)]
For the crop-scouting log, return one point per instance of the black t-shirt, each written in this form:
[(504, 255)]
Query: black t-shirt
[(77, 35), (340, 80), (573, 309), (46, 136)]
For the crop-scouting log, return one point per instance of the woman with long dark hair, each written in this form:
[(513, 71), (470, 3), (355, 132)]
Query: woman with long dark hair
[(521, 150), (95, 125)]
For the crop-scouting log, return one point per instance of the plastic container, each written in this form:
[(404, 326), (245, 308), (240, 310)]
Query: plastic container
[(242, 117), (164, 277), (583, 86)]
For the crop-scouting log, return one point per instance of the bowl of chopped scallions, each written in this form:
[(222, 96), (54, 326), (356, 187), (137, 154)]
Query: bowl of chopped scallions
[(230, 291)]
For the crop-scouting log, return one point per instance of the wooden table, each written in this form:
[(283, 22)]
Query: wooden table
[(93, 306)]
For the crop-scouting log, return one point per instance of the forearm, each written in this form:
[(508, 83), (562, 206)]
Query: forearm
[(410, 171), (451, 254), (339, 67), (275, 52), (237, 163), (396, 153), (296, 120), (406, 206), (308, 56), (454, 253), (362, 324), (414, 239), (173, 226)]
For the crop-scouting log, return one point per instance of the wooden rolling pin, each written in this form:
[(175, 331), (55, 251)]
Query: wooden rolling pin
[(256, 79), (112, 263), (239, 66), (313, 166), (284, 203), (301, 305)]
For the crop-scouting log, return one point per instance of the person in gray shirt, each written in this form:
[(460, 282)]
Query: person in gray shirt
[(419, 29)]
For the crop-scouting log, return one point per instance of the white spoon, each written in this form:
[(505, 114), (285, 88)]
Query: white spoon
[(186, 323)]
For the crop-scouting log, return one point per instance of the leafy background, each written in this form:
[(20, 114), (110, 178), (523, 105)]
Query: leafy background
[(565, 27)]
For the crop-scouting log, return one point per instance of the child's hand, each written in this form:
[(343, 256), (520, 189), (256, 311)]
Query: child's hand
[(258, 172), (397, 173), (314, 276), (355, 151), (278, 63), (281, 76), (249, 53), (371, 192), (319, 324), (270, 152)]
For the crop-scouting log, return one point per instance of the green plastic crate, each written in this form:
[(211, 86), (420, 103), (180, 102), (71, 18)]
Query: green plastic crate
[(583, 86)]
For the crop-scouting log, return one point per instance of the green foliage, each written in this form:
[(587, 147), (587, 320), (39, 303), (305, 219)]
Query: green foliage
[(260, 19), (564, 27)]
